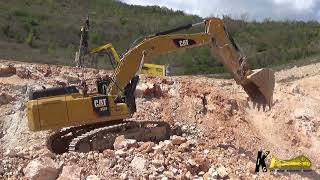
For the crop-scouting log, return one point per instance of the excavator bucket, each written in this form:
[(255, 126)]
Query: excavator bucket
[(260, 86)]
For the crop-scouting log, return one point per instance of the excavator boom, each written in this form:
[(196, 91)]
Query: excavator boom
[(258, 84)]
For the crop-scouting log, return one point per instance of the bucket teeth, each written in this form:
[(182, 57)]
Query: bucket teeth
[(254, 105), (259, 107), (264, 107)]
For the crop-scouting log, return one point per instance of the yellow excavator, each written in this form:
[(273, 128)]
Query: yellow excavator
[(108, 51), (91, 121), (114, 58)]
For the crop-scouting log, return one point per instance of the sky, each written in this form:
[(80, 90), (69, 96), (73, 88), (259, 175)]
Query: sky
[(251, 9)]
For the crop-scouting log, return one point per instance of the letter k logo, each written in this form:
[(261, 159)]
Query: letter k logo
[(261, 161)]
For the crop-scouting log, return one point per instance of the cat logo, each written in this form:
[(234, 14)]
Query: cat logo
[(184, 42), (100, 105)]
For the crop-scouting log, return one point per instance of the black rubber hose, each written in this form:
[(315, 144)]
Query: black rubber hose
[(188, 26)]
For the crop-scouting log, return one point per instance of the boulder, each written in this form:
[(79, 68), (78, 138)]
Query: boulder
[(108, 153), (184, 147), (124, 176), (23, 73), (168, 174), (7, 70), (140, 90), (173, 92), (90, 156), (61, 82), (107, 163), (192, 162), (70, 76), (138, 164), (73, 79), (211, 174), (23, 153), (121, 153), (203, 164), (131, 143), (41, 169), (177, 140), (120, 143), (70, 173), (46, 153), (10, 153), (155, 91), (158, 162), (45, 70), (164, 145), (168, 82), (146, 147), (5, 99), (222, 172), (93, 177)]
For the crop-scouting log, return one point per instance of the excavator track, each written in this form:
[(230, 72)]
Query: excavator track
[(103, 138), (58, 141), (99, 137)]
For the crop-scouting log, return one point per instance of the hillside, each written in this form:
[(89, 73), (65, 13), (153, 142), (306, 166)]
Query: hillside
[(47, 31)]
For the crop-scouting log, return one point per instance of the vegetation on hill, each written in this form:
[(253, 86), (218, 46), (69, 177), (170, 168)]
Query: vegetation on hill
[(47, 31)]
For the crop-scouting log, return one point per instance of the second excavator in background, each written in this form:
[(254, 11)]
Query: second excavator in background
[(91, 121), (107, 51)]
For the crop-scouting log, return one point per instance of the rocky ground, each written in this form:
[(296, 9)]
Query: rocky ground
[(221, 133)]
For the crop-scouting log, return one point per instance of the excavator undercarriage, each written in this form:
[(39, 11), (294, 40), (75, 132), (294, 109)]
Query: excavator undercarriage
[(99, 137)]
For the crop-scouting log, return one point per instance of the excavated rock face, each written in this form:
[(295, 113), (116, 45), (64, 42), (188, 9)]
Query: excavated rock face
[(216, 135)]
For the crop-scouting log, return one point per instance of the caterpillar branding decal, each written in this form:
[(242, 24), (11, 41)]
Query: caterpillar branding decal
[(184, 42), (100, 105)]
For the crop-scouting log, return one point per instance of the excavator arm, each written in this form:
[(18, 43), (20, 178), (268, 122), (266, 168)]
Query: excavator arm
[(258, 84), (149, 48)]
